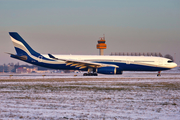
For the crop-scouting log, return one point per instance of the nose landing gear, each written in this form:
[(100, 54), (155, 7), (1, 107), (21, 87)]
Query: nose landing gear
[(159, 73)]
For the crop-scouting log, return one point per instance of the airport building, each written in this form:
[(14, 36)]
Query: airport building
[(101, 45)]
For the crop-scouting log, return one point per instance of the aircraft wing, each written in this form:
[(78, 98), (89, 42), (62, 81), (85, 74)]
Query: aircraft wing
[(83, 64)]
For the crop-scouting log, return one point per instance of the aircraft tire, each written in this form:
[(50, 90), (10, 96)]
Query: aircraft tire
[(158, 74), (90, 74), (85, 74)]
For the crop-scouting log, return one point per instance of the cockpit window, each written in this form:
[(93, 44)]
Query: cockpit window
[(170, 61)]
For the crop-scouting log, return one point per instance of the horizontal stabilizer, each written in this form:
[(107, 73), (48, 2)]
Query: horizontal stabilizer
[(18, 57)]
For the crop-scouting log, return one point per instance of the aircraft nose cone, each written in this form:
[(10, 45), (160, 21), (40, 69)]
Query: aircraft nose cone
[(174, 65)]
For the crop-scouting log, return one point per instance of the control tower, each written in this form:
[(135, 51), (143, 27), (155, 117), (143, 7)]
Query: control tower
[(101, 45)]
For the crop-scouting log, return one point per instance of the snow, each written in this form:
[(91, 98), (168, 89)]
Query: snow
[(133, 95)]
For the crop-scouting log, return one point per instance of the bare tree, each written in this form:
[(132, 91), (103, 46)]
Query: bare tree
[(169, 57), (160, 55)]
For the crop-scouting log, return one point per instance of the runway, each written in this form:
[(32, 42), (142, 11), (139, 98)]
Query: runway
[(164, 74), (133, 95)]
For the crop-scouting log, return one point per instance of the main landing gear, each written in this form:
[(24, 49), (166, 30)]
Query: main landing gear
[(91, 72), (159, 73)]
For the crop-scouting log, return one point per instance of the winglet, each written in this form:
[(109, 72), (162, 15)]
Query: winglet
[(51, 56)]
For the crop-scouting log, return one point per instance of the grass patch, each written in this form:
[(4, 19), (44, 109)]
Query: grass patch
[(167, 103), (51, 88), (25, 97), (60, 85), (81, 79)]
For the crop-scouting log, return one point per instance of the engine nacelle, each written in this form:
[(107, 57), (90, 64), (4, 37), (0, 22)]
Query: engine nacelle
[(106, 70)]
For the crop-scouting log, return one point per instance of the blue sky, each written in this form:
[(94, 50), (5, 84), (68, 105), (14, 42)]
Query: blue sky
[(74, 26)]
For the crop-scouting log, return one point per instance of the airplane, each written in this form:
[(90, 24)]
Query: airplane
[(94, 64)]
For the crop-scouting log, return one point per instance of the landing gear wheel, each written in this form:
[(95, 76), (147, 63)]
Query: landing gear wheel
[(85, 74), (90, 74), (159, 73), (95, 74)]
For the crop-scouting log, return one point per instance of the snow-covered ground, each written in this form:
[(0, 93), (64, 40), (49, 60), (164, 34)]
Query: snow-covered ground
[(133, 95)]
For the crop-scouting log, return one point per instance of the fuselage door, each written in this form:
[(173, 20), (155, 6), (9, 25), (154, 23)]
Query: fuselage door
[(40, 58), (160, 62), (128, 61)]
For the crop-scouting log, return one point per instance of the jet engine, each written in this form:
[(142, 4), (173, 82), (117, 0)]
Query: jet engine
[(106, 70)]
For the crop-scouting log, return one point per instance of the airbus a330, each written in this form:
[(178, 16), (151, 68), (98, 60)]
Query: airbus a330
[(93, 64)]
